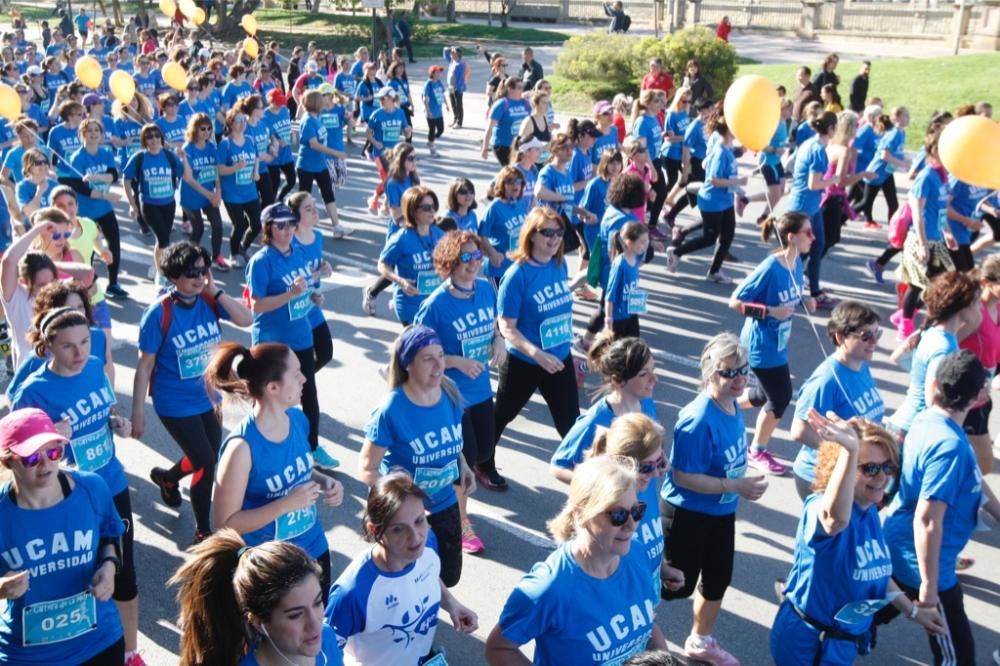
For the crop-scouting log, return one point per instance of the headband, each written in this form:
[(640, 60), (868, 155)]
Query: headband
[(412, 340), (50, 316)]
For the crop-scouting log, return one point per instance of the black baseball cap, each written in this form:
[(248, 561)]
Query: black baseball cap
[(960, 377)]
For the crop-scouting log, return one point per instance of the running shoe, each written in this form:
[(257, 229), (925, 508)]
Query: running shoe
[(873, 225), (580, 345), (170, 493), (151, 273), (373, 204), (471, 543), (825, 302), (368, 302), (585, 293), (490, 479), (236, 261), (719, 278), (186, 227), (340, 230), (220, 264), (672, 260), (135, 659), (964, 563), (115, 292), (709, 652), (779, 589), (765, 462), (656, 234), (741, 204), (324, 459), (761, 219), (875, 269)]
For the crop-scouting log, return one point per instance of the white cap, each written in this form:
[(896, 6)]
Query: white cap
[(533, 142)]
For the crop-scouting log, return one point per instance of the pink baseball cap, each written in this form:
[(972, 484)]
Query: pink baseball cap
[(24, 431), (602, 107)]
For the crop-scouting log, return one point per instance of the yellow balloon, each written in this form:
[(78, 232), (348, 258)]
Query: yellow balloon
[(251, 48), (168, 7), (174, 75), (187, 7), (199, 16), (249, 23), (10, 102), (122, 86), (88, 70), (968, 148), (752, 110)]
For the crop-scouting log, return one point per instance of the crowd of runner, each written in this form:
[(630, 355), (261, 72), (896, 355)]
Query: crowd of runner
[(481, 282)]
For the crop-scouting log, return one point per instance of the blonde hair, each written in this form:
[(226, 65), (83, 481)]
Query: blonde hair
[(639, 106), (597, 484), (633, 435), (868, 433)]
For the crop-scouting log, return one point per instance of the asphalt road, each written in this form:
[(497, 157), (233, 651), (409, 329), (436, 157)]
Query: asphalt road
[(684, 311)]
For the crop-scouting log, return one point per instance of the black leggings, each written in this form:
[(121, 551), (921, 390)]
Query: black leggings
[(160, 219), (478, 427), (702, 546), (887, 254), (197, 218), (326, 576), (380, 285), (447, 526), (773, 391), (265, 190), (660, 188), (956, 647), (887, 188), (199, 437), (502, 154), (108, 224), (322, 179), (244, 216), (289, 172), (673, 168), (697, 175), (517, 383), (126, 587), (435, 129), (322, 345), (962, 258), (718, 226), (113, 656), (913, 298), (310, 402), (456, 106)]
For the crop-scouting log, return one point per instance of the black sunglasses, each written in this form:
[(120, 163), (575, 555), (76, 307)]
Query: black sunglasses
[(427, 208), (464, 191), (552, 233), (283, 224), (54, 454), (619, 517), (196, 272), (871, 470), (648, 468), (475, 255), (868, 336), (731, 373)]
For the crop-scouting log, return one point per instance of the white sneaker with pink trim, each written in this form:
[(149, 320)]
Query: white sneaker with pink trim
[(709, 651)]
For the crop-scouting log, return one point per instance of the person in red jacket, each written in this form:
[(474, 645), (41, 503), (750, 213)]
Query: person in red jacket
[(725, 27), (658, 79)]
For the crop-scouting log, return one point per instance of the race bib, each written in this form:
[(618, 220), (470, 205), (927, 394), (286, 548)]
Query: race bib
[(207, 175), (732, 474), (244, 176), (300, 306), (437, 660), (478, 348), (858, 612), (60, 620), (556, 331), (439, 98), (390, 134), (100, 186), (294, 523), (637, 301), (784, 332), (433, 480), (94, 450), (427, 281), (191, 362), (131, 149), (513, 238)]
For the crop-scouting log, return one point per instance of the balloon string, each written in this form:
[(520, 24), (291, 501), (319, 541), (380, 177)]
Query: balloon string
[(55, 152)]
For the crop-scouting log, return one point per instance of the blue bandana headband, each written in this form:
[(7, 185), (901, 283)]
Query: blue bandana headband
[(412, 341)]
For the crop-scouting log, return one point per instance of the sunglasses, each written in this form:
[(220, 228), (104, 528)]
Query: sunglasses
[(205, 128), (731, 373), (808, 233), (517, 182), (411, 158), (196, 272), (54, 454), (282, 225), (39, 163), (60, 235), (475, 255), (619, 517), (649, 468), (871, 470), (467, 192), (868, 336), (552, 233), (153, 135), (427, 208)]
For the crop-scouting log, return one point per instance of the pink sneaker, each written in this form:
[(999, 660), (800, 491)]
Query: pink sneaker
[(904, 328), (471, 543), (710, 652), (765, 462), (135, 660)]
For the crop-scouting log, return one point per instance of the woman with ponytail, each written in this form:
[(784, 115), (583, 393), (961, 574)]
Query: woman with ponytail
[(250, 606), (265, 485)]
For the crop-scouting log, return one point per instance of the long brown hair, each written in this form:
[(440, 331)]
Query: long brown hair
[(257, 367), (532, 223)]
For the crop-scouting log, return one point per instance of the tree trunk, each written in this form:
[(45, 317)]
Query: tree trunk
[(116, 12), (449, 9), (229, 19)]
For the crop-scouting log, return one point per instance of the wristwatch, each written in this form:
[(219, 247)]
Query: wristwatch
[(114, 559)]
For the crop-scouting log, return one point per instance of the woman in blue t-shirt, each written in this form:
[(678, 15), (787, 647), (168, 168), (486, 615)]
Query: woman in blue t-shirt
[(501, 225), (265, 485), (200, 189), (569, 603), (463, 311), (258, 133), (841, 570), (279, 120), (418, 427), (271, 591), (505, 117), (314, 153), (236, 163), (889, 157), (35, 189), (646, 125), (177, 334), (767, 299), (536, 320), (156, 172), (708, 463), (63, 614)]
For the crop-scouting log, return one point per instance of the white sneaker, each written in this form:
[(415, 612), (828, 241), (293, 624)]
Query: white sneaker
[(340, 230), (672, 260), (719, 278), (710, 652), (151, 273), (236, 261)]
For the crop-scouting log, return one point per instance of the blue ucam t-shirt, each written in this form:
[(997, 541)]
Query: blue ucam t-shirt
[(63, 142), (613, 220), (530, 175), (508, 114), (334, 119), (85, 400), (623, 289), (425, 441), (721, 163), (31, 363), (840, 581), (865, 143), (345, 83), (810, 158), (560, 182), (159, 173), (309, 159), (677, 123), (260, 136), (834, 387), (127, 130), (434, 99), (594, 200), (577, 619), (239, 186), (387, 129), (202, 162), (280, 124), (773, 285), (695, 139), (939, 465), (649, 532), (935, 343), (467, 327), (148, 84), (501, 227), (965, 200), (233, 92), (707, 441), (539, 298), (467, 222), (173, 130), (314, 262), (894, 140), (102, 162), (271, 272), (648, 128), (412, 257), (57, 620), (580, 437), (181, 356), (779, 141), (933, 189), (329, 652), (277, 469), (26, 190)]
